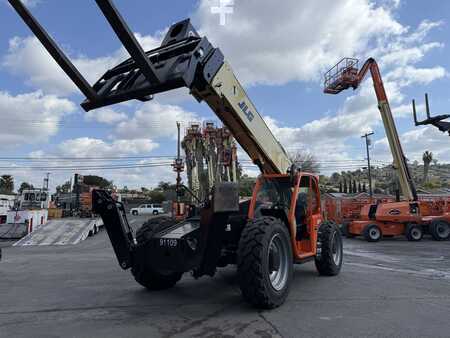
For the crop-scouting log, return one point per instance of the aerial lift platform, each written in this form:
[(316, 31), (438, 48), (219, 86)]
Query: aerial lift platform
[(281, 225), (391, 218)]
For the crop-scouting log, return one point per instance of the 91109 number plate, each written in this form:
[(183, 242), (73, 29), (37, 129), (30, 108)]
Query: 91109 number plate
[(168, 242)]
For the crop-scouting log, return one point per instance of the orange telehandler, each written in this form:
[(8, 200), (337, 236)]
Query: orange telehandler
[(391, 218), (281, 226)]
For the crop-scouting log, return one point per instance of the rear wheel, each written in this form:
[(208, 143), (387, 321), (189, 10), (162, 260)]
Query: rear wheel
[(413, 232), (143, 274), (329, 255), (440, 230), (372, 233), (264, 262)]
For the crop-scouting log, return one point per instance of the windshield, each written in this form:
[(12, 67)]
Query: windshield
[(274, 192)]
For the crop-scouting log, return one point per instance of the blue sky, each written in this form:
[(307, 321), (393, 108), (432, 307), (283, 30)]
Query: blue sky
[(279, 51)]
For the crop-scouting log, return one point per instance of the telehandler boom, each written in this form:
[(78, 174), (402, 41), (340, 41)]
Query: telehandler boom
[(282, 224)]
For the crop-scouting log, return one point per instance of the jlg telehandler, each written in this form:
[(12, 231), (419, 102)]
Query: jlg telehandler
[(281, 226)]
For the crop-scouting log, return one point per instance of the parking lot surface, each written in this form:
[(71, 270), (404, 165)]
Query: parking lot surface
[(391, 288)]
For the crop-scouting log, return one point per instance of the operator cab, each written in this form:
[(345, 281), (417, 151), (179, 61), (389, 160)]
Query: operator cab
[(296, 203)]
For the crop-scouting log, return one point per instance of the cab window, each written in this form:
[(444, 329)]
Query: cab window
[(314, 197)]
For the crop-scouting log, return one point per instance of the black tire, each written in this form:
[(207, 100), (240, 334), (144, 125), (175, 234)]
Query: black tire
[(413, 232), (329, 256), (265, 262), (144, 275), (155, 212), (134, 213), (440, 230), (372, 233)]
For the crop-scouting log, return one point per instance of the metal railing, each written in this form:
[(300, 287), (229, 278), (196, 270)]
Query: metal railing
[(337, 71)]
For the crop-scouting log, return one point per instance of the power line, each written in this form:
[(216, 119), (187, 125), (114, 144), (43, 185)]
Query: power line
[(72, 168)]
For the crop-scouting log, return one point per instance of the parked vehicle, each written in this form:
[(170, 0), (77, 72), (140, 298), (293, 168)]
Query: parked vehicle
[(147, 209)]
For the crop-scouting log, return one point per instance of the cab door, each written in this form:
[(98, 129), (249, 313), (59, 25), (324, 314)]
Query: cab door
[(305, 215)]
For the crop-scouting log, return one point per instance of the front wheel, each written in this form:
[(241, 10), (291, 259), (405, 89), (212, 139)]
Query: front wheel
[(329, 256), (155, 212), (372, 233), (134, 213), (413, 232), (265, 262)]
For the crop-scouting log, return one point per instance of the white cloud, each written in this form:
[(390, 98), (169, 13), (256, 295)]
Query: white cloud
[(401, 55), (28, 58), (105, 115), (415, 142), (155, 120), (297, 43), (92, 147), (408, 75), (30, 118)]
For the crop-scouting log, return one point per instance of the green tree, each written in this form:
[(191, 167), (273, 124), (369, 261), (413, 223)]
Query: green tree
[(25, 186), (156, 196), (164, 186), (246, 184), (64, 188), (97, 181), (6, 184)]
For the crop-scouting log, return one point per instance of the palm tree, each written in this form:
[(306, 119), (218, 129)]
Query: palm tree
[(6, 183), (427, 158)]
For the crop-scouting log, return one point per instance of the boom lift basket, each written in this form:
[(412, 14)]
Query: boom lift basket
[(342, 76)]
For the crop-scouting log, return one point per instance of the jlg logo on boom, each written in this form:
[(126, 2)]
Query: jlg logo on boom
[(247, 112)]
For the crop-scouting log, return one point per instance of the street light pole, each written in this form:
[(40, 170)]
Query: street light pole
[(366, 136)]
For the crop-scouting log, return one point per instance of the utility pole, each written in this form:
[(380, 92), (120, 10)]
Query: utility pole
[(366, 136), (178, 167), (46, 180)]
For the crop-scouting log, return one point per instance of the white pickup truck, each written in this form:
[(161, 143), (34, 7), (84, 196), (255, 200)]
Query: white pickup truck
[(145, 209)]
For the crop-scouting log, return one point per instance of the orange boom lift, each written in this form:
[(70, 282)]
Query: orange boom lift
[(390, 218)]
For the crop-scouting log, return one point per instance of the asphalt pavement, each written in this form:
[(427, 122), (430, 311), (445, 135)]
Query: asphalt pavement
[(391, 288)]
